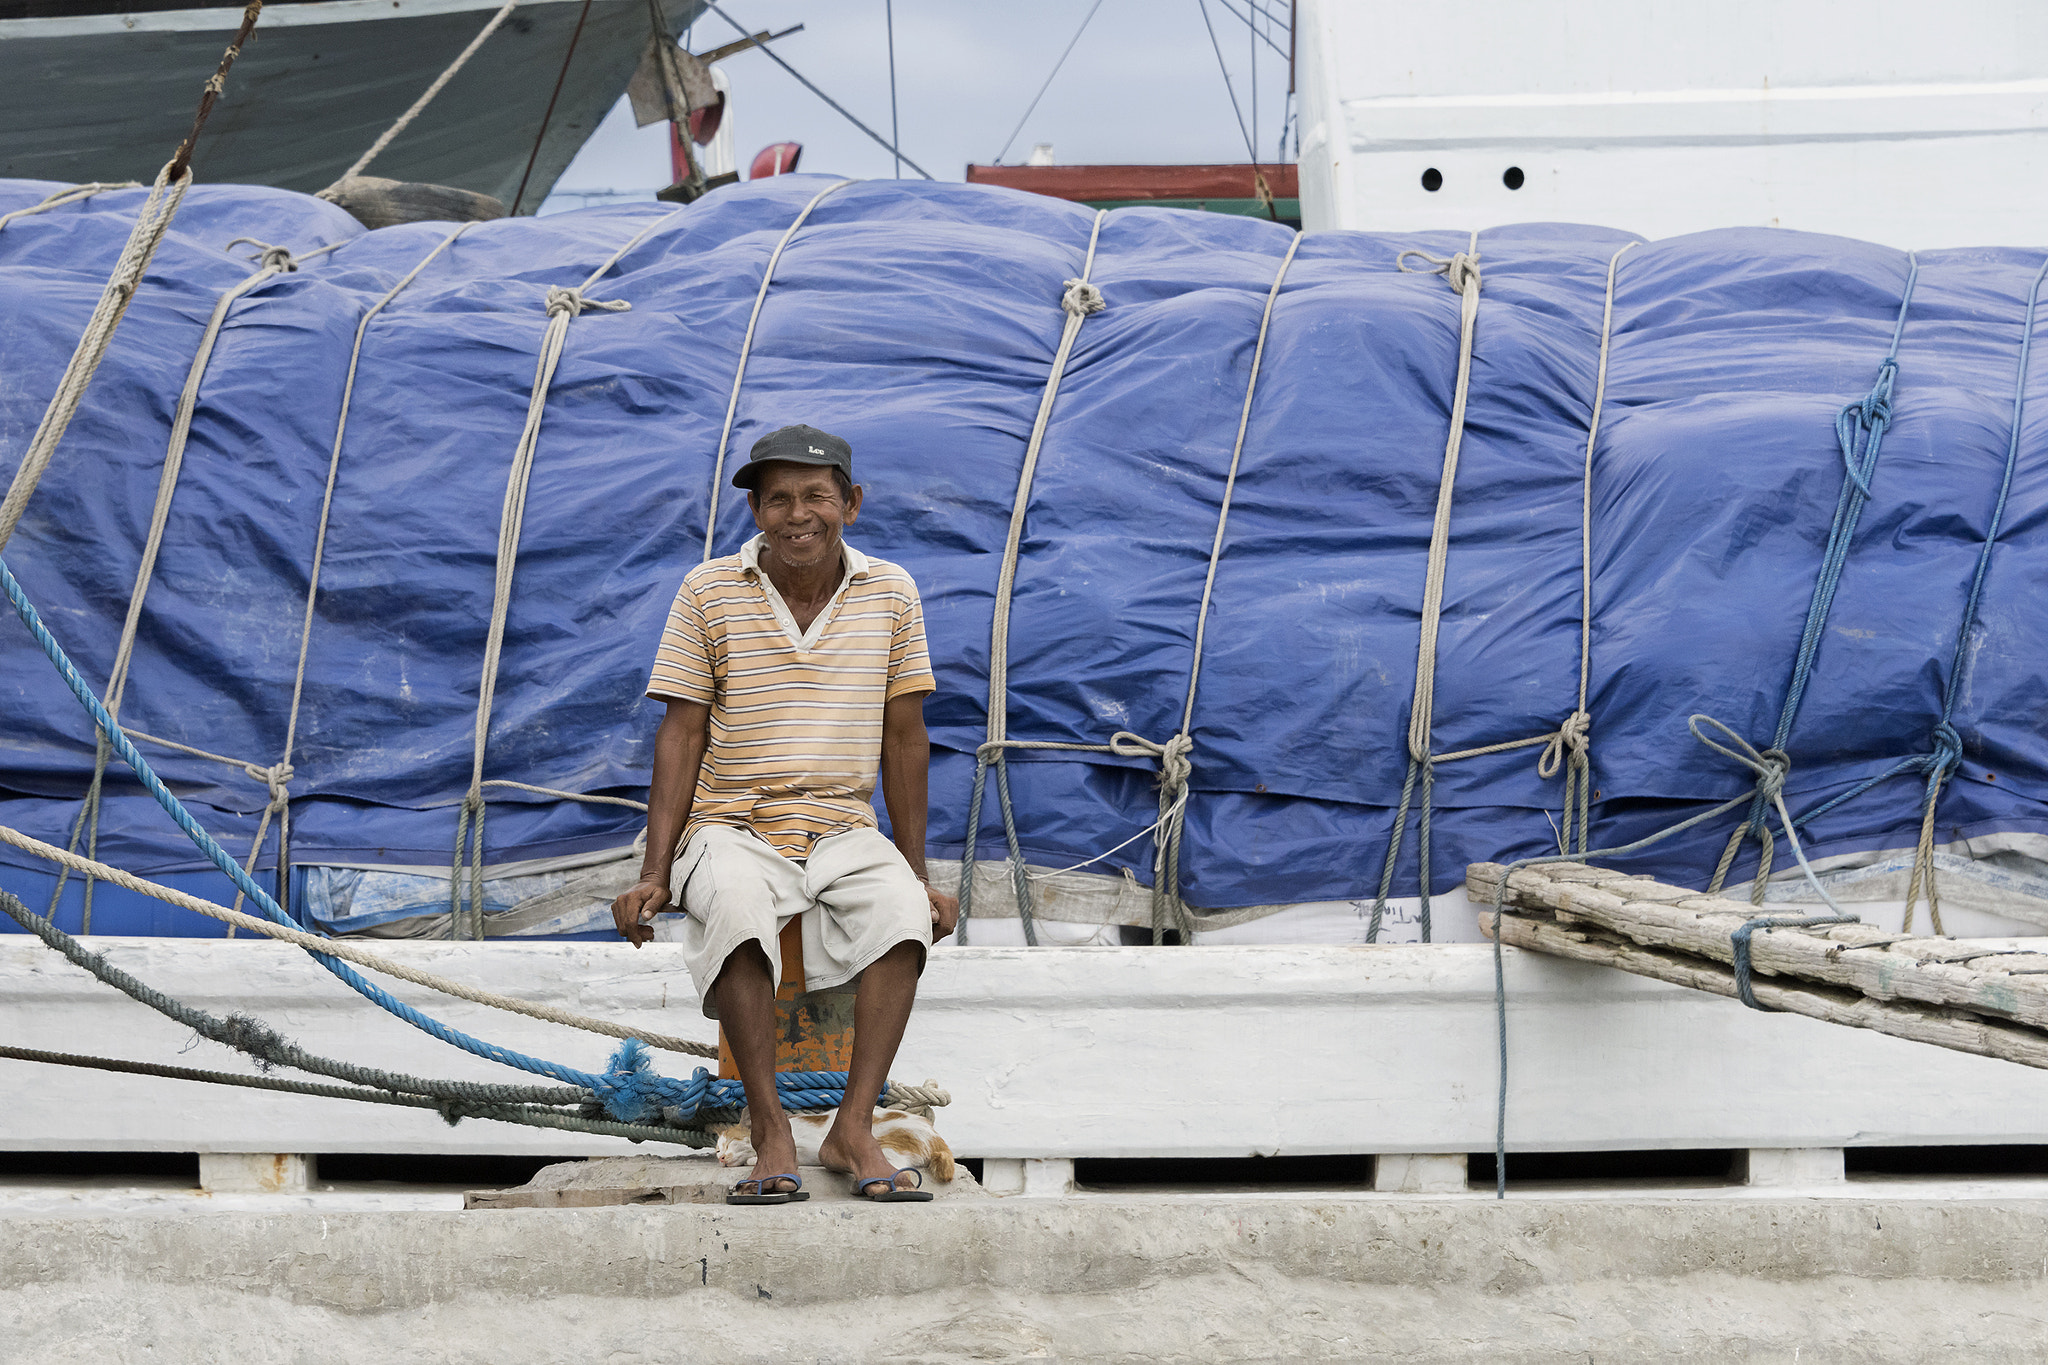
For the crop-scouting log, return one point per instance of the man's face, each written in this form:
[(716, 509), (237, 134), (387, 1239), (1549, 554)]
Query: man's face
[(802, 512)]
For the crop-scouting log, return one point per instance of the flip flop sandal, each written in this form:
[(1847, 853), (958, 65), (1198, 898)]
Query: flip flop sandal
[(892, 1195), (760, 1195)]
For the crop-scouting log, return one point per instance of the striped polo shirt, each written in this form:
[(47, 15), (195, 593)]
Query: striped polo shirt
[(796, 717)]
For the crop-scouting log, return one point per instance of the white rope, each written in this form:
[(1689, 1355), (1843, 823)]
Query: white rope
[(1081, 300), (1569, 747), (72, 195), (271, 262), (1244, 417), (739, 374), (561, 795), (419, 105), (563, 307), (348, 392), (1461, 272), (1175, 766), (151, 223), (280, 794), (1156, 829), (343, 950), (1573, 746)]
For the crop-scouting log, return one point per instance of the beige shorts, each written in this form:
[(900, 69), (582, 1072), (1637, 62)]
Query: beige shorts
[(857, 897)]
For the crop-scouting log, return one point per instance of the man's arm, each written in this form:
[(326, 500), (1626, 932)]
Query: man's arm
[(678, 753), (906, 781)]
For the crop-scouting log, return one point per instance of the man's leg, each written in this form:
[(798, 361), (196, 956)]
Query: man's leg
[(736, 890), (881, 1009), (746, 1009)]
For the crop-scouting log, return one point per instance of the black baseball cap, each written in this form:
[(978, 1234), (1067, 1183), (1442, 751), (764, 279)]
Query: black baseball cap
[(799, 444)]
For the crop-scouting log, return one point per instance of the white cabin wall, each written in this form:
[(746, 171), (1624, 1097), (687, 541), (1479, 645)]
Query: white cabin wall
[(1325, 157), (1899, 122)]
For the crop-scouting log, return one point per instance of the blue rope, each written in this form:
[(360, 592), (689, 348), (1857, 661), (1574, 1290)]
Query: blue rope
[(1859, 431), (1945, 744), (1740, 942), (629, 1089)]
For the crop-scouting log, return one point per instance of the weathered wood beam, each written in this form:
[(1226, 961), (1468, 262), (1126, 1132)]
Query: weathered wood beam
[(1857, 957)]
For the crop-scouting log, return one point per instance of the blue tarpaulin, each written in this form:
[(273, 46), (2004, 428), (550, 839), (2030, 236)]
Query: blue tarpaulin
[(919, 321)]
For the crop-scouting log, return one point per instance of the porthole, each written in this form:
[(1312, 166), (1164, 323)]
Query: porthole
[(1512, 177), (1432, 180)]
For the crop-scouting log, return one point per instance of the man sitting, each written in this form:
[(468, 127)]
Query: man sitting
[(793, 671)]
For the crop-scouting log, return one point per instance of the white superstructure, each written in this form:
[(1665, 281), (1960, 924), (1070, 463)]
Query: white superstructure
[(1912, 124)]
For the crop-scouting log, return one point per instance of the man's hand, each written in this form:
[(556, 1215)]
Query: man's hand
[(634, 912), (945, 911)]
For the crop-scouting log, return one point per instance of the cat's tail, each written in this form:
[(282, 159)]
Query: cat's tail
[(942, 1159)]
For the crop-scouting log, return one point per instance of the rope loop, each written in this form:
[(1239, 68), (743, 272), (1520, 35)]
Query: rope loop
[(1082, 299), (1460, 271), (562, 300), (268, 257), (1770, 765), (1573, 737), (1174, 766)]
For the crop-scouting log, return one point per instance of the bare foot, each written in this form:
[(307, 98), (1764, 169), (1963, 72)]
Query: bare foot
[(857, 1154), (774, 1154)]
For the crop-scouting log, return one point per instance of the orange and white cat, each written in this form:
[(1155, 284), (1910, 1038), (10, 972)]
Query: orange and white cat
[(909, 1139)]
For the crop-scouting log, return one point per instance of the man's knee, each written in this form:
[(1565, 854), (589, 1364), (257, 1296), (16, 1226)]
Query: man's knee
[(744, 963)]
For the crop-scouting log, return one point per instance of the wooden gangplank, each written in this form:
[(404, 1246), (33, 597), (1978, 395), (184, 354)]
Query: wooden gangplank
[(1987, 996)]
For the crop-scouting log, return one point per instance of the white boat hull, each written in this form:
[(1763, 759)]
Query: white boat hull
[(1051, 1054)]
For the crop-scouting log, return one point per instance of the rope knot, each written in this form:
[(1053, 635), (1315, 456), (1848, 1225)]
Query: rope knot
[(631, 1091), (1573, 737), (1460, 270), (1082, 298), (1948, 750), (268, 257), (1771, 774), (1771, 766), (1175, 768), (275, 777), (562, 301)]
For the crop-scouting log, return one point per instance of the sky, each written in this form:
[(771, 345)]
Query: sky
[(1142, 85)]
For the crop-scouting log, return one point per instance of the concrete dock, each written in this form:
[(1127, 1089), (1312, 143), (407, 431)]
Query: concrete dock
[(1896, 1271)]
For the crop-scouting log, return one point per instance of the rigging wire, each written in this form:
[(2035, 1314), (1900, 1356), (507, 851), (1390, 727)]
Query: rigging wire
[(1230, 88), (895, 126), (1250, 152), (802, 80), (1251, 47), (1242, 19), (548, 117), (1030, 108)]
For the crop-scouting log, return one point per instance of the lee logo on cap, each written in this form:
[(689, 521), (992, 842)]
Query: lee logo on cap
[(815, 451)]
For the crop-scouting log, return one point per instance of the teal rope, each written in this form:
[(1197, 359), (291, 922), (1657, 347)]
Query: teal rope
[(1739, 950), (1860, 429), (1945, 743)]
